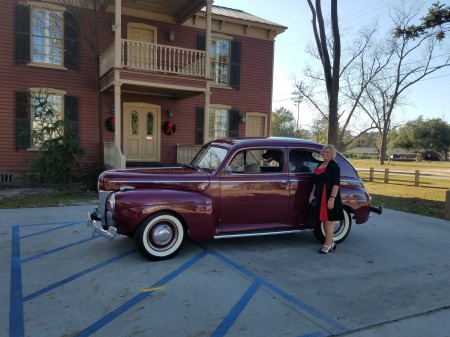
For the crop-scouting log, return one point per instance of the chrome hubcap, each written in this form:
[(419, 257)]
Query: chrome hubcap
[(162, 235)]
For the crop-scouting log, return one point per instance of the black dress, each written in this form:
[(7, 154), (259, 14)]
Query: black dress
[(324, 182)]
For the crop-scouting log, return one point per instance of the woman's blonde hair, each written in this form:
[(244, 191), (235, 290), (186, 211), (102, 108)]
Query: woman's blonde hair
[(332, 149)]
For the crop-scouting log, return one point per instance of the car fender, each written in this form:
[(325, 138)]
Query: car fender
[(196, 210)]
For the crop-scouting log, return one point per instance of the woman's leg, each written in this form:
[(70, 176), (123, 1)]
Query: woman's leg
[(329, 232)]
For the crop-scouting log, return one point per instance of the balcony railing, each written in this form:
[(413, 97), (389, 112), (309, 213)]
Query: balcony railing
[(156, 58)]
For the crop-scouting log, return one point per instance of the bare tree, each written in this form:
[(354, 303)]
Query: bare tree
[(361, 62), (411, 60), (330, 71)]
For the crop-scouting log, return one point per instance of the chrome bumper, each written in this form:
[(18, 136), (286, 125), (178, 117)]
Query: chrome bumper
[(97, 228), (377, 210)]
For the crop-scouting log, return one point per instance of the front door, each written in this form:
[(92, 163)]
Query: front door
[(141, 132), (141, 55), (255, 125)]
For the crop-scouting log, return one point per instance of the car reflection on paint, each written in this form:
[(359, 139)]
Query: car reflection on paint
[(231, 188)]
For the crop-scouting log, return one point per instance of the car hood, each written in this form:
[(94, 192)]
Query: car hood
[(156, 177)]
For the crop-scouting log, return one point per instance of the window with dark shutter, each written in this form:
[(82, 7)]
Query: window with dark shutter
[(22, 33), (233, 125), (199, 125), (235, 65), (22, 120), (71, 112), (201, 42), (70, 41)]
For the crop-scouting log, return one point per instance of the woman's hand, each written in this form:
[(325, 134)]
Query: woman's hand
[(311, 198), (330, 203)]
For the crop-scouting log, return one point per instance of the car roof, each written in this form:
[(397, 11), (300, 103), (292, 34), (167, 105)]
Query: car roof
[(265, 141)]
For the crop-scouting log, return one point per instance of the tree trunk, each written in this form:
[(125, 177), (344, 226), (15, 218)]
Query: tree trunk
[(333, 119), (331, 72)]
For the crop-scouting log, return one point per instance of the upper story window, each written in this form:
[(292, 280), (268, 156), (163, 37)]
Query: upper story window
[(225, 60), (47, 36), (220, 61)]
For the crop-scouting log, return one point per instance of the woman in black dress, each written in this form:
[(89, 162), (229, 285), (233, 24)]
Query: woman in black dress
[(328, 198)]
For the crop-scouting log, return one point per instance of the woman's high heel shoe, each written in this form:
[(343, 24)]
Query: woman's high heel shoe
[(328, 248)]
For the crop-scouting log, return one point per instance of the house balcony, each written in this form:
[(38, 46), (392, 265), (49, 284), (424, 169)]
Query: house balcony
[(158, 58), (161, 69)]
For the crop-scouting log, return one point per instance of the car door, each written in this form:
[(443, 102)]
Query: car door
[(254, 194), (302, 164)]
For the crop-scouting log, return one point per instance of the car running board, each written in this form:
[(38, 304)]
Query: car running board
[(228, 235)]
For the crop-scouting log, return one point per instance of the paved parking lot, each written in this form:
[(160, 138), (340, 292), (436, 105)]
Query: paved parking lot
[(389, 278)]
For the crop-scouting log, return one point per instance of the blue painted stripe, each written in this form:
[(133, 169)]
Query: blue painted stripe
[(77, 275), (313, 334), (138, 298), (233, 315), (58, 249), (332, 325), (48, 230), (16, 324)]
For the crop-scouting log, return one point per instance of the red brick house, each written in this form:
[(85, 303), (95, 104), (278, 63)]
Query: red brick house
[(173, 75)]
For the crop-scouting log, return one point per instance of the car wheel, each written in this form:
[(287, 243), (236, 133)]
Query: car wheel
[(160, 237), (341, 229)]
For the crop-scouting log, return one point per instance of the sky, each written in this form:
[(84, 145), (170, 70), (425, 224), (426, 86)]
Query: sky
[(428, 98)]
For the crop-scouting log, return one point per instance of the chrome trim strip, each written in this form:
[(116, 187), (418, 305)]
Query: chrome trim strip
[(241, 235)]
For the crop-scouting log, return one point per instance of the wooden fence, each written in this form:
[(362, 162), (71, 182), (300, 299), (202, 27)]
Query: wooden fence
[(416, 175)]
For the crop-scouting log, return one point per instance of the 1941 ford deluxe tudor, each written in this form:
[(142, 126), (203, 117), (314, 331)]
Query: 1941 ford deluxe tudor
[(231, 188)]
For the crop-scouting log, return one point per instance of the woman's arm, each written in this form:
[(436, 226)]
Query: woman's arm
[(311, 195)]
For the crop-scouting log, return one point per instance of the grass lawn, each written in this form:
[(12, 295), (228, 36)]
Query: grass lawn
[(400, 193)]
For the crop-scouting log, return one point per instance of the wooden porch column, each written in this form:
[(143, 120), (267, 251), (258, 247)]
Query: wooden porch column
[(207, 70), (117, 92)]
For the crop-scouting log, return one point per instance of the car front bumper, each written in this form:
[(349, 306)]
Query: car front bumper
[(97, 228)]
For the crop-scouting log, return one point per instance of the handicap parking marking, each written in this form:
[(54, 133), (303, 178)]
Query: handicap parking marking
[(322, 320), (17, 300), (229, 320), (138, 298)]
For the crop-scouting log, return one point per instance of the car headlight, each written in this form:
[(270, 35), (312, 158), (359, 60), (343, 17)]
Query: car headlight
[(112, 201)]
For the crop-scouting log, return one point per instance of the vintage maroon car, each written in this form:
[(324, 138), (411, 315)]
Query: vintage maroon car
[(232, 187)]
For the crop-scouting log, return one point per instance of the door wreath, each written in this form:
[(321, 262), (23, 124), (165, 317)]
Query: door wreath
[(110, 124), (169, 128)]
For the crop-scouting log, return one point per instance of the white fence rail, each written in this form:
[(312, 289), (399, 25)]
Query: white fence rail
[(416, 175)]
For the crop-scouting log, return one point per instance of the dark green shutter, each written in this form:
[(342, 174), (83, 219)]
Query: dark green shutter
[(71, 113), (22, 32), (23, 119), (235, 71), (201, 42), (70, 41), (233, 123), (199, 125)]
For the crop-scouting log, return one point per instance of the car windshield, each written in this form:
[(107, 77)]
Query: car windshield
[(209, 157)]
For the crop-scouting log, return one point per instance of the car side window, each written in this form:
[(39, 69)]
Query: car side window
[(302, 161), (272, 160), (245, 161), (256, 161)]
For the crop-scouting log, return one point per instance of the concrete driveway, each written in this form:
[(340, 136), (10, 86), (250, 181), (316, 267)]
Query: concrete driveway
[(389, 278)]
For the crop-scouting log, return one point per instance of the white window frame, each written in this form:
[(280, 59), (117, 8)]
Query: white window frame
[(56, 98), (51, 35), (218, 116), (220, 61)]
